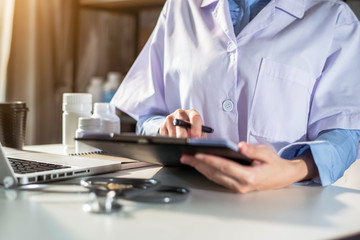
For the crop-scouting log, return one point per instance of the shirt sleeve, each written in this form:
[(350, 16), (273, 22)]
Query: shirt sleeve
[(336, 101), (333, 152), (149, 124), (142, 90)]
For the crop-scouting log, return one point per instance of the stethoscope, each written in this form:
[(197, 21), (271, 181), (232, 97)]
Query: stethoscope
[(105, 191)]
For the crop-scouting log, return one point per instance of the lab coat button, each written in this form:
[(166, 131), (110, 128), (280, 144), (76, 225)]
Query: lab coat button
[(231, 47), (227, 105)]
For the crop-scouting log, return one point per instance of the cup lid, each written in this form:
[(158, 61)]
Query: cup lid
[(17, 105)]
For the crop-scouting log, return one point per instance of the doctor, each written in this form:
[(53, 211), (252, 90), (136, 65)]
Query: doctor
[(281, 77)]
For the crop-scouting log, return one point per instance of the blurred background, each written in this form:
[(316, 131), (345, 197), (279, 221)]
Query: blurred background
[(49, 47)]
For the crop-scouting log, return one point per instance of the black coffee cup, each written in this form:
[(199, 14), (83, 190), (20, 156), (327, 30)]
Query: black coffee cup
[(13, 124)]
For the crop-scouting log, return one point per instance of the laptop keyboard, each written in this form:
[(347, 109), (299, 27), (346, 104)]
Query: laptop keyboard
[(28, 166)]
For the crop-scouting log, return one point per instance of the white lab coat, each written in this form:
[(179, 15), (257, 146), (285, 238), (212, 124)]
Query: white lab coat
[(292, 72)]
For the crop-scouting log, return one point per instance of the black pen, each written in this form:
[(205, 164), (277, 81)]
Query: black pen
[(181, 123)]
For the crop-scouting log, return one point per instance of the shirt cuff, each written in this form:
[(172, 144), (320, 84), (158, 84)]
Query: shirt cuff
[(149, 125), (323, 158)]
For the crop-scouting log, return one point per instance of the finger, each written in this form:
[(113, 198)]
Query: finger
[(181, 114), (203, 135), (196, 123), (163, 130), (170, 128), (181, 132), (241, 173), (213, 174), (261, 152)]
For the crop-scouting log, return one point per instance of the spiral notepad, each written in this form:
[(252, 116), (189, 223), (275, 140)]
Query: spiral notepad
[(86, 153)]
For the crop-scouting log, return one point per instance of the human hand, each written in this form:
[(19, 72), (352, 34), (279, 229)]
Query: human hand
[(267, 171), (192, 116)]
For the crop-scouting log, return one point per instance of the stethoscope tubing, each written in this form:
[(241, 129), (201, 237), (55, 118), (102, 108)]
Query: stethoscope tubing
[(142, 190), (139, 186), (164, 194)]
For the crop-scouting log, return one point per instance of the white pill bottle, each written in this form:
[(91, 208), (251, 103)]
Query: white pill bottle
[(110, 122), (87, 125), (75, 105)]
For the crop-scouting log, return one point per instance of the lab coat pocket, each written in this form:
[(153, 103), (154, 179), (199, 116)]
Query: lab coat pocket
[(280, 106)]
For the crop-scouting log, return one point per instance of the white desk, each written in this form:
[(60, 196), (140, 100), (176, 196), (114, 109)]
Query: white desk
[(211, 212)]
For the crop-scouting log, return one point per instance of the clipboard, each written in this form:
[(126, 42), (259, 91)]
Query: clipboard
[(160, 149)]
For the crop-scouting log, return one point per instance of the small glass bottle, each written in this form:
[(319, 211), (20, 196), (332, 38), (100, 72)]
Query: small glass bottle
[(111, 85), (96, 88), (75, 105)]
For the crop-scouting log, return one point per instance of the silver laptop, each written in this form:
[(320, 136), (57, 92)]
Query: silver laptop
[(19, 167)]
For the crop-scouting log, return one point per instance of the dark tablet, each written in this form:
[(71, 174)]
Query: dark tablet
[(161, 150)]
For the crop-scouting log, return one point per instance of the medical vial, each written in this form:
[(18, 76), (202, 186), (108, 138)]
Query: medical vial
[(75, 105), (110, 122), (96, 88), (111, 85)]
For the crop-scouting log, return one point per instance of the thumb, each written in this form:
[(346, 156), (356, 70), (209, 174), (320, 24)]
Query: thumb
[(262, 153)]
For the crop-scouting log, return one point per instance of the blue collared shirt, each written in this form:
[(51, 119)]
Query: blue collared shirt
[(242, 12)]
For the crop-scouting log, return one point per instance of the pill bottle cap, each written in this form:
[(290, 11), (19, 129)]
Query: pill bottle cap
[(104, 108), (77, 102)]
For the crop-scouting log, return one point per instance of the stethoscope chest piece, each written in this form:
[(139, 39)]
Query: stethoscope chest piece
[(106, 191), (100, 203)]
